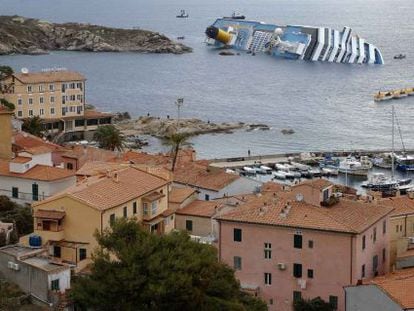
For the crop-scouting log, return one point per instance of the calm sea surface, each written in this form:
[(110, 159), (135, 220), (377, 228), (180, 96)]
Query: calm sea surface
[(330, 106)]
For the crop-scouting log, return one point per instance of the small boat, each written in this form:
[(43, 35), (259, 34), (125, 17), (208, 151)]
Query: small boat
[(300, 166), (315, 172), (279, 175), (230, 171), (405, 162), (290, 174), (399, 56), (352, 166), (379, 182), (305, 173), (399, 94), (281, 167), (381, 96), (235, 15), (329, 162), (183, 14), (382, 162), (249, 170), (330, 171), (181, 38), (266, 169)]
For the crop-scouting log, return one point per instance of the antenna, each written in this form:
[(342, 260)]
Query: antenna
[(25, 70)]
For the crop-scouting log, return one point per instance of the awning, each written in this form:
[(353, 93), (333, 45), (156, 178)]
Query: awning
[(153, 196), (49, 214)]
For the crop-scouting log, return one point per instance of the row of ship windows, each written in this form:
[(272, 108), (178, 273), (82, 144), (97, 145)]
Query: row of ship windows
[(31, 112), (65, 86), (52, 99)]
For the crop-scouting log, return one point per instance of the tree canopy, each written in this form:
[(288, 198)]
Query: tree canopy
[(136, 270), (5, 71), (33, 126), (15, 213), (109, 137), (315, 304)]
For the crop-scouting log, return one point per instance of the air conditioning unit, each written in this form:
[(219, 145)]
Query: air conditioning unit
[(281, 266), (302, 283), (10, 265), (13, 266), (16, 267)]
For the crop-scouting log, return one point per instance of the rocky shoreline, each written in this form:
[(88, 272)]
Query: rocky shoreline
[(164, 127), (20, 35)]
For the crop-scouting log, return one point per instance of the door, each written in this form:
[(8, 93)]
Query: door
[(35, 192), (56, 251), (375, 264)]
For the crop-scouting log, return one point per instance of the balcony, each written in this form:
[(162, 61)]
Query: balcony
[(48, 235)]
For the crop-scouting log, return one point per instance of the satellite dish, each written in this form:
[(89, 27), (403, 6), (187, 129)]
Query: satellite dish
[(25, 70), (299, 197)]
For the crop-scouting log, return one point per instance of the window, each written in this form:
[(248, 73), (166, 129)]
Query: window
[(79, 122), (52, 110), (383, 255), (40, 88), (384, 227), (237, 263), (297, 270), (396, 228), (134, 208), (19, 113), (56, 249), (401, 228), (79, 85), (111, 219), (374, 234), (270, 301), (310, 273), (69, 166), (52, 99), (375, 264), (297, 296), (30, 113), (268, 250), (154, 208), (54, 285), (125, 212), (207, 197), (363, 242), (41, 100), (63, 100), (363, 271), (30, 101), (333, 301), (297, 241), (237, 235), (51, 87), (189, 225), (82, 253), (41, 111), (19, 101), (268, 279), (310, 244), (15, 192), (145, 209), (29, 88)]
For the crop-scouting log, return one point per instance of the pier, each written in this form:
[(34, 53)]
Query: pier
[(305, 157)]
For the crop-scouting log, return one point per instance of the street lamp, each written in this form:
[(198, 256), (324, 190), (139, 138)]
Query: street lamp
[(179, 102)]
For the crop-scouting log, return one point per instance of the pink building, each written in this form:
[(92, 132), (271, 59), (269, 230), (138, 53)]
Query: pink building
[(304, 242)]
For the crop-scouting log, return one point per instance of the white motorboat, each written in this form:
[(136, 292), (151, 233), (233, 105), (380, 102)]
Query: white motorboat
[(280, 175), (290, 174), (281, 167), (249, 170), (265, 169), (300, 166), (352, 166), (330, 171), (315, 172)]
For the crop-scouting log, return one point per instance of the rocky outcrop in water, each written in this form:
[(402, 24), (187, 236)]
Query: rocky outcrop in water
[(20, 35)]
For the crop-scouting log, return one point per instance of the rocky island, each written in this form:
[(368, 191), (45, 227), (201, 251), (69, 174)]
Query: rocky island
[(20, 35), (164, 127)]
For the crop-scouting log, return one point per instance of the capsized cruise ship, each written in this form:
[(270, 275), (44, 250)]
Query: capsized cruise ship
[(293, 42)]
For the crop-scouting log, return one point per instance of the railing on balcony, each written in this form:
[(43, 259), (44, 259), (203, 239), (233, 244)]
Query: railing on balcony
[(23, 196)]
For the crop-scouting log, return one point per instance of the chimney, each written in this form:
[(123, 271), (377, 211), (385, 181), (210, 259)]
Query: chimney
[(5, 133)]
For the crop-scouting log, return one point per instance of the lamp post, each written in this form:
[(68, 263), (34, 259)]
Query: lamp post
[(179, 102)]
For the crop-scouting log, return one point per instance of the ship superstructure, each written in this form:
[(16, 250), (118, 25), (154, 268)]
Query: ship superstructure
[(294, 42)]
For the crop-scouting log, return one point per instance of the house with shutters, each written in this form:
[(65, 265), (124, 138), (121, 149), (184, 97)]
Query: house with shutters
[(304, 242), (66, 222)]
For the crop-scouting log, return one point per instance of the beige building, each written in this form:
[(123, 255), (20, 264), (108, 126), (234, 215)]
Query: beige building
[(67, 222), (58, 97)]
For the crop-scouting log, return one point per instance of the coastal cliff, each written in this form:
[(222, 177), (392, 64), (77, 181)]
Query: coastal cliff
[(20, 35)]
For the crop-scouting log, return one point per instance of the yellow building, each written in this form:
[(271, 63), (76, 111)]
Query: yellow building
[(67, 222), (57, 97)]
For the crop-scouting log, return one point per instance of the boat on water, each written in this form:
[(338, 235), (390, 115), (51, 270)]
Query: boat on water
[(379, 182), (279, 175), (330, 171), (352, 166), (293, 41), (235, 15), (183, 14), (394, 94), (265, 169), (399, 56), (405, 162), (382, 161), (329, 162)]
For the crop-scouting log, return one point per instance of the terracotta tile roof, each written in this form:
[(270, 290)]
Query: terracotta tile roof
[(93, 168), (104, 192), (38, 172), (49, 77), (24, 140), (179, 195), (37, 150), (399, 286), (200, 176), (146, 158), (153, 196), (403, 205), (345, 216), (319, 184), (88, 114), (49, 214), (21, 160), (199, 208), (88, 153), (271, 186)]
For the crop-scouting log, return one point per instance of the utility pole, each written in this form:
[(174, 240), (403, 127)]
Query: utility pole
[(179, 102)]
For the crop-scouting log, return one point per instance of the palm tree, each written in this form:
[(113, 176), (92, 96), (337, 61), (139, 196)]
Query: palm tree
[(109, 137), (176, 140), (33, 126)]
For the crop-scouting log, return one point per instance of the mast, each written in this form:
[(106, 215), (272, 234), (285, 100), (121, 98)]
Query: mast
[(392, 151)]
